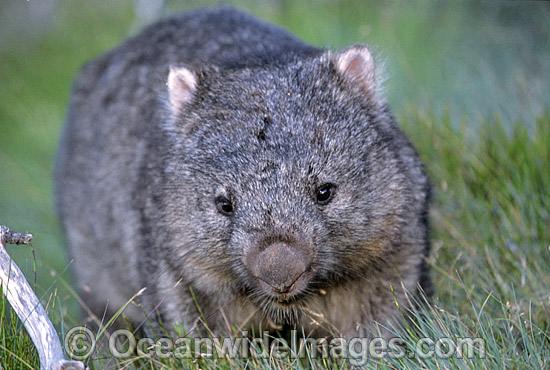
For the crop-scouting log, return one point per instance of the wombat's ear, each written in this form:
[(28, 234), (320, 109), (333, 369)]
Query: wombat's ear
[(356, 65), (182, 84)]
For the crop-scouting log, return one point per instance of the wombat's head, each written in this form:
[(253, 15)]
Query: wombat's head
[(282, 181)]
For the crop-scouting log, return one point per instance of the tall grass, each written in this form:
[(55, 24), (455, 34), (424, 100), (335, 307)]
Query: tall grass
[(16, 348)]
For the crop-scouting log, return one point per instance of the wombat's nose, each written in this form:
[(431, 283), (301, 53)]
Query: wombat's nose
[(281, 267)]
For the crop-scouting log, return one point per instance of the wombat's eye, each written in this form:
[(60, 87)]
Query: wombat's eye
[(325, 193), (225, 207)]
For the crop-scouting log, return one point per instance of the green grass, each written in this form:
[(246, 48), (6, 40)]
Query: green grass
[(16, 348), (469, 83)]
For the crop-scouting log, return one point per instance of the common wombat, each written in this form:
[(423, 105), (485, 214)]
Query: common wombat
[(222, 163)]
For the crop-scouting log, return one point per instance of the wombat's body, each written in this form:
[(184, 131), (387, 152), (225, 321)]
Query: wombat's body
[(217, 158)]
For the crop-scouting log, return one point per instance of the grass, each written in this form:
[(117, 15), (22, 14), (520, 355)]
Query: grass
[(491, 241), (469, 84), (16, 348)]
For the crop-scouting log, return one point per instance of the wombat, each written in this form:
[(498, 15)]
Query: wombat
[(242, 175)]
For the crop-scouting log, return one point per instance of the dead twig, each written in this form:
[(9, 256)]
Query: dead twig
[(28, 308)]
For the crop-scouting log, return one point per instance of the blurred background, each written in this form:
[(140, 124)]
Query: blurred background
[(468, 61)]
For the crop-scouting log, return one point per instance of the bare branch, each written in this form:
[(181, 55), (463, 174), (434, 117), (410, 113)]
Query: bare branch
[(26, 305), (9, 237)]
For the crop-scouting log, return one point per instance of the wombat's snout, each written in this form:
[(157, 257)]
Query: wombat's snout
[(282, 269)]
